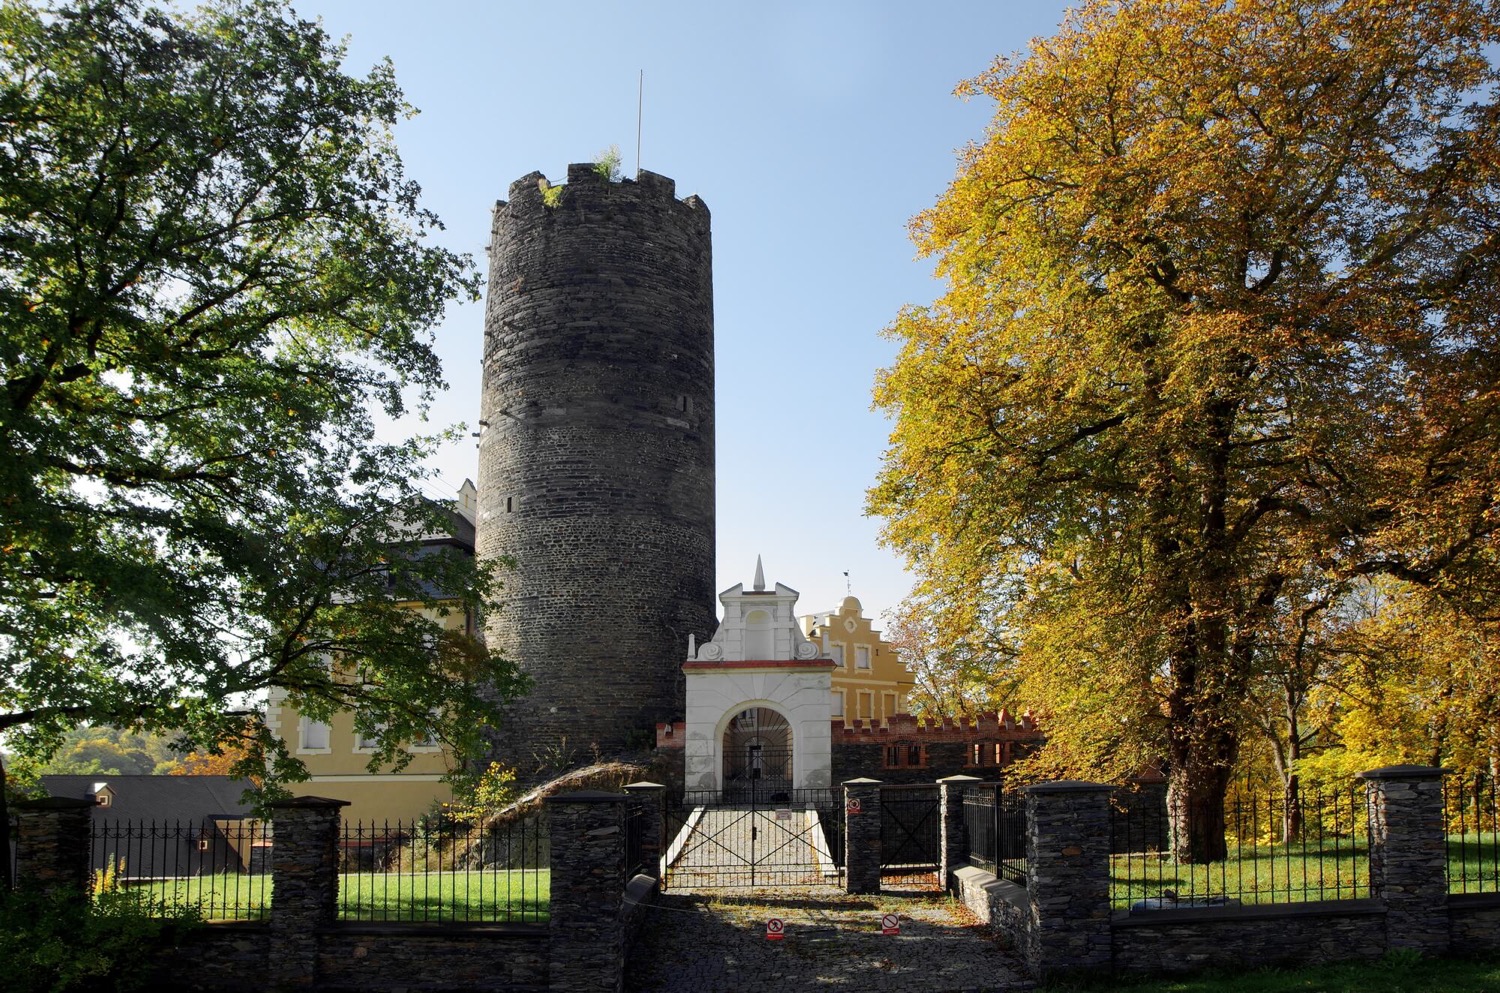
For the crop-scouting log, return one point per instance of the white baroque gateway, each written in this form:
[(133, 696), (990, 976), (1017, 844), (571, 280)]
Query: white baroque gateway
[(758, 698)]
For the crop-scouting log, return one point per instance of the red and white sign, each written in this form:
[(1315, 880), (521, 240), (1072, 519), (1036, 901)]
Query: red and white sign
[(890, 923), (774, 928), (852, 807)]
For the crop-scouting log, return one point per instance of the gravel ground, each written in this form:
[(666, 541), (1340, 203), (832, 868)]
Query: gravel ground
[(711, 941)]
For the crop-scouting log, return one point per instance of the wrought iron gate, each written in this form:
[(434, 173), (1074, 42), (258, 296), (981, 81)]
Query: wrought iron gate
[(754, 833), (910, 823)]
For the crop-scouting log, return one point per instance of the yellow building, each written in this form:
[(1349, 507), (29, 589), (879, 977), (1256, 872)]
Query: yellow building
[(337, 756), (869, 681)]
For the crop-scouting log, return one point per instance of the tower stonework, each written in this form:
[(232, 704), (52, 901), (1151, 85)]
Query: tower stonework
[(596, 455)]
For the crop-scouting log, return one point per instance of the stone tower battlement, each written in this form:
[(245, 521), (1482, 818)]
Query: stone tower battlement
[(596, 456)]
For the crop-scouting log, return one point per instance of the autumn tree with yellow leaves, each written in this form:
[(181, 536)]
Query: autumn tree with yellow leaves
[(1219, 335)]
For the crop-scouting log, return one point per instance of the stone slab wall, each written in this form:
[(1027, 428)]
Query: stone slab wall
[(1002, 903), (1304, 934), (479, 958), (233, 957), (227, 957), (1474, 923)]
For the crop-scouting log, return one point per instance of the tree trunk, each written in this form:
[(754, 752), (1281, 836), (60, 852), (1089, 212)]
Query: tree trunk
[(1291, 810), (6, 882), (1195, 807)]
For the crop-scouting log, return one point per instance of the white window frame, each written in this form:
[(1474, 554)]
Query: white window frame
[(837, 703), (861, 656), (836, 652), (304, 727)]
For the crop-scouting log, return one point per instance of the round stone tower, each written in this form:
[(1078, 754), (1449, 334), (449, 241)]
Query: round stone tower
[(596, 454)]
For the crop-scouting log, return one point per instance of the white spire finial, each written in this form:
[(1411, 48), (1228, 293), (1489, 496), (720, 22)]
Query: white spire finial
[(760, 576)]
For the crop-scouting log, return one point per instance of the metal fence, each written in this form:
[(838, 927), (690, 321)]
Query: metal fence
[(220, 867), (635, 836), (1473, 829), (1264, 847), (995, 821), (431, 871)]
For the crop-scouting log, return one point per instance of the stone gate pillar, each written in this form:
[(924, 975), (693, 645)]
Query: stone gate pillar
[(304, 885), (862, 836), (586, 942), (1067, 877), (52, 844), (953, 840), (1408, 854)]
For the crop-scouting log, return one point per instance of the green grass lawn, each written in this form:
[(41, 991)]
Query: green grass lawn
[(1292, 873), (518, 895), (1268, 874), (1474, 863), (1395, 974)]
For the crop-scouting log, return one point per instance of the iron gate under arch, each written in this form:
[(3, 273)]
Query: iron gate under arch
[(754, 833)]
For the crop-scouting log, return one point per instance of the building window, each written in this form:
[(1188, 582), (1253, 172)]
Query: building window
[(866, 705), (862, 656), (314, 736), (836, 652), (905, 755), (888, 701), (838, 703)]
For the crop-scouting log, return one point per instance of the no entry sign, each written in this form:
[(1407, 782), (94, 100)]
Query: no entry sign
[(852, 807), (775, 929), (890, 923)]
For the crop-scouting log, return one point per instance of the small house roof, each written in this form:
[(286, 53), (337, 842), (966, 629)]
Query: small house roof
[(157, 798)]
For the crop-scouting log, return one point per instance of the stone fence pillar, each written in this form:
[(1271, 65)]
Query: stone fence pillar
[(1067, 877), (862, 836), (586, 947), (1408, 854), (304, 885), (648, 799), (52, 844), (953, 838)]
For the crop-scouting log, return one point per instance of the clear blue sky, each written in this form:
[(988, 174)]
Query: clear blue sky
[(813, 131)]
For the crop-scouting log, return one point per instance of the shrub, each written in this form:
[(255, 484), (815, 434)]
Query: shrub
[(56, 944)]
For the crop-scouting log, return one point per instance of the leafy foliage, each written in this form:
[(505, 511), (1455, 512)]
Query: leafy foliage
[(475, 797), (56, 944), (1218, 339), (107, 751), (212, 271)]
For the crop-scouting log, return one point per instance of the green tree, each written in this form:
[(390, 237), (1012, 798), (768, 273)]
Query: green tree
[(1220, 329), (109, 751), (212, 271)]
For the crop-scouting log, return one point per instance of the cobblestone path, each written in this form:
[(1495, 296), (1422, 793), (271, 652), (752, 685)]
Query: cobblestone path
[(715, 942)]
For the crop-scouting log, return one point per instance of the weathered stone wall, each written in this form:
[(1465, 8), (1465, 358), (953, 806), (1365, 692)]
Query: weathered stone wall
[(1474, 923), (1061, 920), (223, 957), (480, 958), (596, 913), (52, 844), (862, 836), (596, 458), (1408, 854), (1235, 937)]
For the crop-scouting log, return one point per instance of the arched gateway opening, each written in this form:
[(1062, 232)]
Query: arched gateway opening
[(757, 752)]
